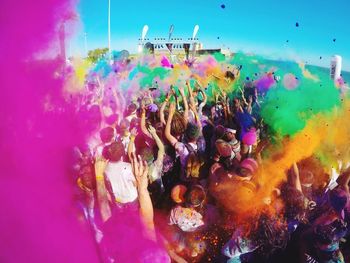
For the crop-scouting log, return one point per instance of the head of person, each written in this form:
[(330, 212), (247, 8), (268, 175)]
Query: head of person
[(192, 132), (124, 126), (230, 134), (178, 125), (247, 167), (131, 109), (107, 134), (195, 196), (147, 155), (307, 178), (219, 131), (236, 103), (159, 129), (178, 193), (114, 151)]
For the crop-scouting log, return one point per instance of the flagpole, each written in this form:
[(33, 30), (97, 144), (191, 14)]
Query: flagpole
[(109, 29)]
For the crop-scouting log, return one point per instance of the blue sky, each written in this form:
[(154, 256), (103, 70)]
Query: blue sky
[(261, 27)]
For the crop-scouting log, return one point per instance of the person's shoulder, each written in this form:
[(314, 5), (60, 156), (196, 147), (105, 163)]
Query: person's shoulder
[(118, 166), (179, 145)]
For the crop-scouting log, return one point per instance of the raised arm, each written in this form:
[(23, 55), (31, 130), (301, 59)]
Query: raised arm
[(190, 92), (250, 103), (140, 171), (162, 107), (143, 120), (196, 116), (160, 145), (184, 99), (101, 190), (294, 178), (167, 132), (205, 98), (131, 145)]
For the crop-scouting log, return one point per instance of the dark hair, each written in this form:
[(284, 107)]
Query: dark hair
[(270, 235), (192, 132), (114, 151), (338, 199), (178, 125), (294, 201), (230, 75), (131, 108), (195, 196), (106, 134)]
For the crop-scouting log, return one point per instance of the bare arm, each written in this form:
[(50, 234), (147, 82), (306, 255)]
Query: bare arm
[(167, 132), (140, 171), (143, 120), (102, 197), (249, 105), (131, 145), (294, 178), (160, 145), (184, 99), (162, 108), (205, 98)]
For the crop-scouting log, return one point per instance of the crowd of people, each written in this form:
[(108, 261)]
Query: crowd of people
[(188, 170)]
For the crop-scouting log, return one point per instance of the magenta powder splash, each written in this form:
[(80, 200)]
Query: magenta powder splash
[(265, 82), (38, 221), (165, 62)]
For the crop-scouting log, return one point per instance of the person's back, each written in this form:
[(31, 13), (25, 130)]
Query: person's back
[(122, 181), (119, 174)]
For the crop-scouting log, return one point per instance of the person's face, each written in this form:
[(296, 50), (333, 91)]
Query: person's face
[(230, 136), (244, 172), (236, 103)]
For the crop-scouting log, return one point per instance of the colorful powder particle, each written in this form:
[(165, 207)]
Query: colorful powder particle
[(290, 81), (223, 6), (297, 24), (334, 39)]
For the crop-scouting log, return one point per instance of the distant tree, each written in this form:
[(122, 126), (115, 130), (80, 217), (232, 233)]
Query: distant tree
[(95, 54)]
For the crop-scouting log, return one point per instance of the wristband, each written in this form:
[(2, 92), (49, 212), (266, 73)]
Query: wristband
[(99, 177)]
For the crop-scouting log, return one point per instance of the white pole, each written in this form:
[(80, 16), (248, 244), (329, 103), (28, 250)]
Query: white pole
[(336, 63), (85, 43), (109, 28)]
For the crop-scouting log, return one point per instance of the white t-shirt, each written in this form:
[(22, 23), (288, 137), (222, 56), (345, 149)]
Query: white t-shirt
[(122, 180)]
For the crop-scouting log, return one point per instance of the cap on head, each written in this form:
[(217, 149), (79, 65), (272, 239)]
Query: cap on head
[(229, 130)]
